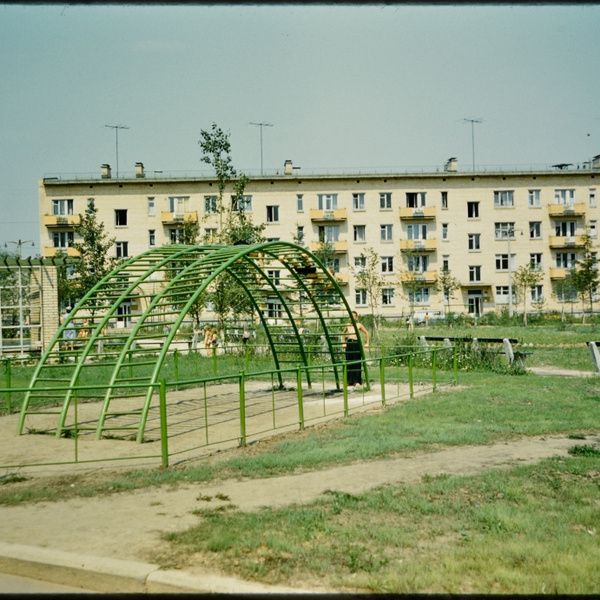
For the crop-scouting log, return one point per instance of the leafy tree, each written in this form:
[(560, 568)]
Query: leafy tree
[(585, 274), (369, 278), (524, 278), (12, 293), (93, 244), (564, 291), (411, 281), (448, 284)]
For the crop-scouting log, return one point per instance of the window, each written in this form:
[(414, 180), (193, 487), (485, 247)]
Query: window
[(210, 235), (124, 313), (416, 232), (537, 293), (62, 239), (274, 309), (503, 231), (535, 230), (444, 200), (152, 237), (444, 231), (211, 205), (272, 239), (565, 197), (327, 201), (329, 233), (275, 276), (272, 214), (565, 228), (360, 297), (565, 292), (387, 264), (333, 264), (300, 234), (504, 199), (419, 296), (360, 263), (122, 249), (535, 261), (359, 233), (502, 294), (387, 296), (386, 233), (473, 210), (179, 205), (593, 228), (417, 263), (502, 262), (446, 262), (474, 241), (151, 207), (62, 207), (474, 273), (120, 217), (534, 198), (566, 260), (241, 204), (592, 197), (385, 201), (176, 235), (415, 199), (358, 202), (299, 203)]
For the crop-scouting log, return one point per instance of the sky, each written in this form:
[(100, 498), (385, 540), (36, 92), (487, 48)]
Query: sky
[(344, 87)]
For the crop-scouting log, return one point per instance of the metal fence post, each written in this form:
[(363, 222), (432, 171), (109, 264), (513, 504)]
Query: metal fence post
[(242, 409), (8, 386), (410, 375), (455, 363), (164, 444), (382, 380), (300, 401), (434, 369), (345, 388)]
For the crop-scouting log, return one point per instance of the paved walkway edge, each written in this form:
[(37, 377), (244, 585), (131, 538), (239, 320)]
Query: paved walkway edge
[(109, 575)]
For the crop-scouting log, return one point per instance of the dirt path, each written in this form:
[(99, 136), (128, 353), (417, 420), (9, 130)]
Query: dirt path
[(128, 526)]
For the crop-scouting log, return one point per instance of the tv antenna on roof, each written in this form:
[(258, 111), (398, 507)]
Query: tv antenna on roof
[(116, 128), (473, 121), (261, 125)]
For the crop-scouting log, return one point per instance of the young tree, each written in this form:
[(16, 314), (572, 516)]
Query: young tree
[(448, 284), (585, 274), (564, 291), (369, 278), (93, 245), (524, 278)]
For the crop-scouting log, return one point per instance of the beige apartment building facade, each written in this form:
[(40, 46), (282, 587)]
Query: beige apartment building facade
[(479, 225)]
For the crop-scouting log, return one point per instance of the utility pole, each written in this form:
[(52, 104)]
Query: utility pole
[(116, 128), (19, 244), (473, 121), (261, 125)]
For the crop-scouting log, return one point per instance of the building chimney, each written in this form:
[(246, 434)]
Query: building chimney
[(451, 165), (105, 172), (139, 170), (596, 162), (287, 167)]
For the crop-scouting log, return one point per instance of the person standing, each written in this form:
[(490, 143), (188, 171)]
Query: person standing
[(352, 346), (207, 339)]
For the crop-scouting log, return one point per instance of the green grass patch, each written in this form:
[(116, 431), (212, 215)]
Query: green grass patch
[(528, 530)]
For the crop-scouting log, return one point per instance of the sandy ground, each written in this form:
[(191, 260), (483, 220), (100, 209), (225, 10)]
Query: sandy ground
[(129, 525)]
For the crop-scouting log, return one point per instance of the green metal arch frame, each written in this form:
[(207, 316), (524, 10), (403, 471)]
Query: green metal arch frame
[(197, 268)]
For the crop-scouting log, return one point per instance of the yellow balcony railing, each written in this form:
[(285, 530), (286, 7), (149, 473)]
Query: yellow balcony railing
[(338, 214), (563, 241), (566, 210), (418, 245), (558, 273), (424, 212), (421, 277), (337, 246), (61, 221), (171, 218), (51, 252)]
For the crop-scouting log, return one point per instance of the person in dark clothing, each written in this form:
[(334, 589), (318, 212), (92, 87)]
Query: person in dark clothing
[(351, 344)]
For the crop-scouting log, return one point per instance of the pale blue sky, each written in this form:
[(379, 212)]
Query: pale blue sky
[(345, 86)]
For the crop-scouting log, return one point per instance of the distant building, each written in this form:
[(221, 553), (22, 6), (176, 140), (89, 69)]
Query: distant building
[(480, 225)]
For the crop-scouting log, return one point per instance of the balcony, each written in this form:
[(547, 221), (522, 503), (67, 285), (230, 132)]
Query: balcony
[(52, 252), (429, 277), (558, 273), (557, 211), (61, 221), (341, 278), (424, 212), (337, 246), (418, 245), (338, 214), (563, 241), (170, 218)]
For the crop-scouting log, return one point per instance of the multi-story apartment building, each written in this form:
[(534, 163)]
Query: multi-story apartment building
[(479, 225)]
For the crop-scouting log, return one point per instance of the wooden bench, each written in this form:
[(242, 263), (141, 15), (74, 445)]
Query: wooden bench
[(506, 350)]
